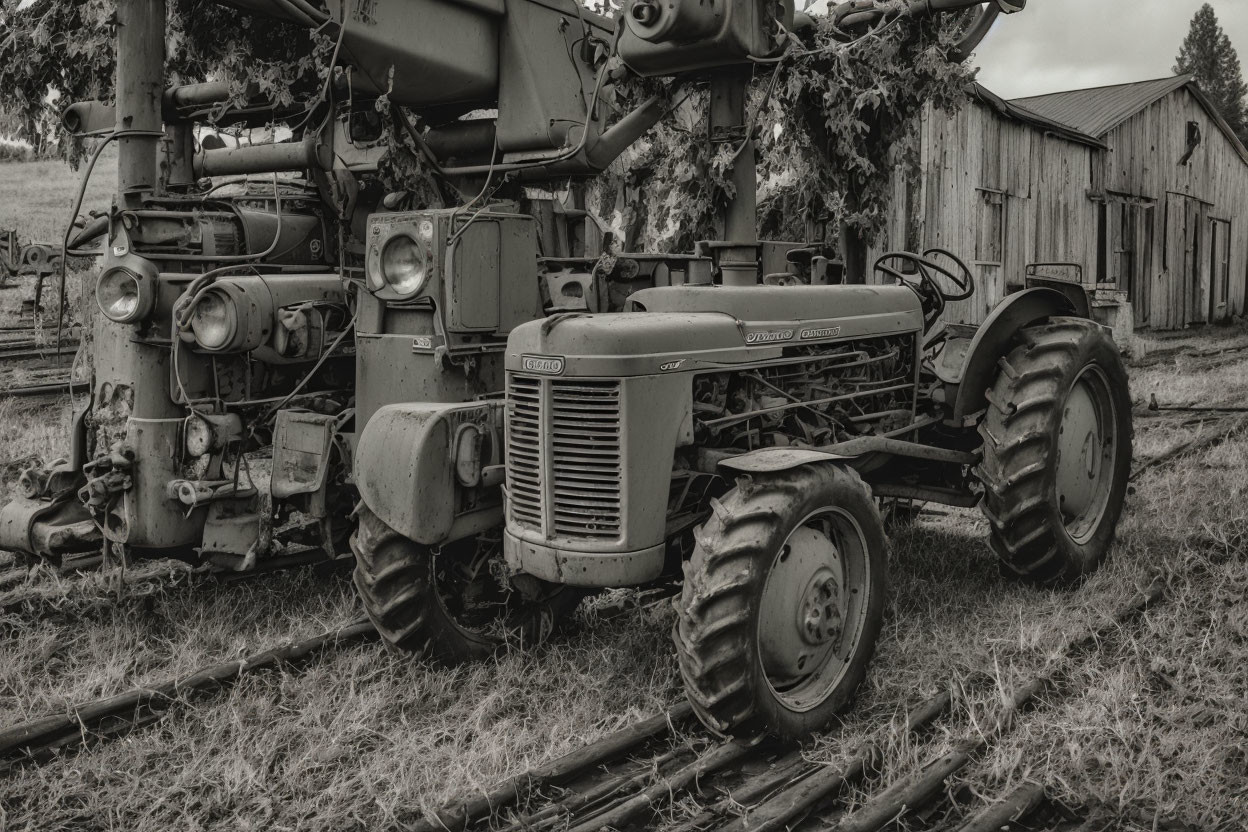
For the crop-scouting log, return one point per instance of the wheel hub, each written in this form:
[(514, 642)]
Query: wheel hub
[(1086, 450), (801, 617), (819, 613)]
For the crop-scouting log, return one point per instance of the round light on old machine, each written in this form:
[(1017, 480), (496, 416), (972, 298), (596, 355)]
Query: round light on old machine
[(205, 433), (214, 320), (123, 296), (404, 266), (199, 436)]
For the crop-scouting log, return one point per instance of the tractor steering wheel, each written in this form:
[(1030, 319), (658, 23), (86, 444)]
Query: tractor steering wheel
[(921, 281)]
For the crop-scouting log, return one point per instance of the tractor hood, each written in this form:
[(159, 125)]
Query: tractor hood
[(691, 328)]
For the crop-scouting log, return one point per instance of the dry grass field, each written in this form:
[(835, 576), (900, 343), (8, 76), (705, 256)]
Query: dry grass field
[(36, 197), (1150, 730)]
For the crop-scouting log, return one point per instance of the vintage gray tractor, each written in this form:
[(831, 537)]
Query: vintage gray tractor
[(553, 421)]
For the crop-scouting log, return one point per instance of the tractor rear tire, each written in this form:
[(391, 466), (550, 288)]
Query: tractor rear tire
[(403, 587), (759, 659), (1057, 452)]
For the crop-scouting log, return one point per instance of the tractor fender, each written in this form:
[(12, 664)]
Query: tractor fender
[(997, 336), (405, 469), (777, 460)]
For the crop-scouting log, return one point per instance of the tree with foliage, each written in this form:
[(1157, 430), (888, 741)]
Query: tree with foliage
[(832, 124), (1208, 55), (831, 119), (57, 51)]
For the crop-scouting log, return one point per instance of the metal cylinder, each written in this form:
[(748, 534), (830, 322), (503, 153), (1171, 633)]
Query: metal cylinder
[(683, 21), (198, 95), (140, 87), (264, 158), (738, 223), (88, 117)]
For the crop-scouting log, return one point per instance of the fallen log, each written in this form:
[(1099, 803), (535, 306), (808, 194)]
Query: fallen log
[(54, 389), (658, 793), (1201, 443), (825, 782), (576, 801), (904, 795), (459, 815), (783, 774), (21, 743), (1014, 806)]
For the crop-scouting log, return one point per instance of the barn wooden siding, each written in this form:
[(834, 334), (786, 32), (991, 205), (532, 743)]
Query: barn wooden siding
[(1188, 222), (1004, 193), (998, 193)]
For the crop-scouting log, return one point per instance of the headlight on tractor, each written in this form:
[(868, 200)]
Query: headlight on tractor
[(241, 314), (214, 321), (124, 295), (402, 256), (199, 436), (404, 267), (207, 433)]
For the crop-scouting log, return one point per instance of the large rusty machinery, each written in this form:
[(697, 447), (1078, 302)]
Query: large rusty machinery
[(526, 413), (219, 329)]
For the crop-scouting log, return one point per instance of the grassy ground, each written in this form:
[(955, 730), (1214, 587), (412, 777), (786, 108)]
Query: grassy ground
[(38, 196), (36, 199), (1150, 727), (33, 431)]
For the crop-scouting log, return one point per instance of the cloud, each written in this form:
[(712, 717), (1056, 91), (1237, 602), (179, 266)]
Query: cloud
[(1068, 44)]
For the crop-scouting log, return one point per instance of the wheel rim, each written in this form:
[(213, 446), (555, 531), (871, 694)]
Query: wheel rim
[(1087, 450), (813, 608), (480, 599)]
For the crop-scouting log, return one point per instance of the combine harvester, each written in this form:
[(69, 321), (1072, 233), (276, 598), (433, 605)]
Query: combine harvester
[(533, 415)]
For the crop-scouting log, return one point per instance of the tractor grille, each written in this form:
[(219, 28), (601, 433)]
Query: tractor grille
[(524, 451), (564, 472)]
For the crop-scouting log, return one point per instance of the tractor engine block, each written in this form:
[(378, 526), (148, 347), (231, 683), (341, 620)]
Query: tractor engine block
[(813, 396)]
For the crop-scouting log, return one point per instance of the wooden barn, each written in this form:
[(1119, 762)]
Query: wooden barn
[(1139, 191)]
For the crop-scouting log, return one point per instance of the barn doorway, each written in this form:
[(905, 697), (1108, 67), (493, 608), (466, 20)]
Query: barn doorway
[(1126, 251), (1219, 269), (1183, 296)]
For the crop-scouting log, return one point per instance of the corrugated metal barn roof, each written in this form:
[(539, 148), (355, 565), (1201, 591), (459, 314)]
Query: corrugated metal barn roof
[(1009, 110), (1097, 111)]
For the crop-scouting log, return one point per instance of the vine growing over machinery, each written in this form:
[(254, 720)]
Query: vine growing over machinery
[(832, 122)]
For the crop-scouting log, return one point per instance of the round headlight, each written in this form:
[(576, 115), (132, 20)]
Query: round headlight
[(118, 294), (403, 265), (199, 436), (213, 321)]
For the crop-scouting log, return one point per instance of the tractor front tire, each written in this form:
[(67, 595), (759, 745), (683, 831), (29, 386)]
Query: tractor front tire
[(782, 603), (1057, 452), (407, 595)]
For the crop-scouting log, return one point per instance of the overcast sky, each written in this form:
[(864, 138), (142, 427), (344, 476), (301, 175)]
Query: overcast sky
[(1070, 44)]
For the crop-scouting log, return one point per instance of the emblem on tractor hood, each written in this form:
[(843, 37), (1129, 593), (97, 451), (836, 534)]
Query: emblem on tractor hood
[(549, 365), (812, 334), (769, 336)]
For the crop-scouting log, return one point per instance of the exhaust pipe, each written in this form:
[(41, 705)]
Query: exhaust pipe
[(140, 87)]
